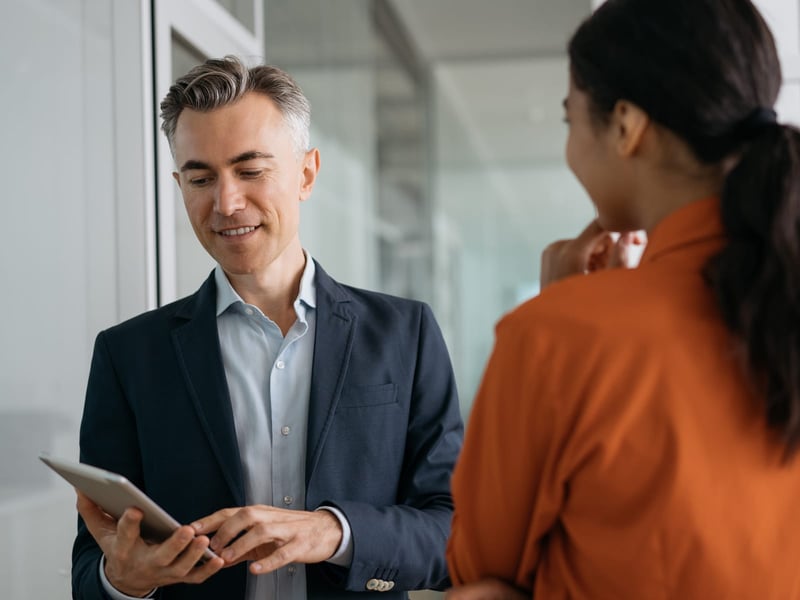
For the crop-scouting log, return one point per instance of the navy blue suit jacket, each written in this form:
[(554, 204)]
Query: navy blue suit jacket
[(384, 431)]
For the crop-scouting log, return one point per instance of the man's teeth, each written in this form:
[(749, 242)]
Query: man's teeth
[(240, 231)]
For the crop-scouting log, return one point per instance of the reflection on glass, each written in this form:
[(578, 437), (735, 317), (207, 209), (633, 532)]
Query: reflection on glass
[(442, 150), (243, 10), (370, 101)]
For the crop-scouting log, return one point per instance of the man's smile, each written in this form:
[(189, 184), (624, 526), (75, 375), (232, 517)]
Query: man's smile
[(238, 231)]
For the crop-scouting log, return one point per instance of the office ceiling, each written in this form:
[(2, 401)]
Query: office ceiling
[(503, 67)]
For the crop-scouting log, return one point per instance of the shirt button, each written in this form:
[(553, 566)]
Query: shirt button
[(287, 500), (291, 569), (286, 430), (248, 310), (280, 364)]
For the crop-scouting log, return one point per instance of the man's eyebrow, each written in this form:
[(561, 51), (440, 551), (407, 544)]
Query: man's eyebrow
[(243, 157), (250, 155), (193, 164)]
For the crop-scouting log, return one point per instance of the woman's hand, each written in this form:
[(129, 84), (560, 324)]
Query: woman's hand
[(594, 249)]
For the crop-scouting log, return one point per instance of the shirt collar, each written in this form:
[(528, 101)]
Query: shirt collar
[(227, 296), (699, 221), (308, 289)]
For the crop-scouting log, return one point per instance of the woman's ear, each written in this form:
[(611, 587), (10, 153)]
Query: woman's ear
[(629, 125)]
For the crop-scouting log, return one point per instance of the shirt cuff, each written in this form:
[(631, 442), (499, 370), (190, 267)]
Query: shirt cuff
[(344, 554), (114, 592)]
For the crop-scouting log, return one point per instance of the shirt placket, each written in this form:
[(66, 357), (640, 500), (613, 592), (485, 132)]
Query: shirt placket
[(287, 487)]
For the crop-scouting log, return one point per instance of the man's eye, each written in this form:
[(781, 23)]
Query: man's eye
[(199, 181), (250, 174)]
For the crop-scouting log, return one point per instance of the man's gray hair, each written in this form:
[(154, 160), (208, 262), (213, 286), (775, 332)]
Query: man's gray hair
[(222, 81)]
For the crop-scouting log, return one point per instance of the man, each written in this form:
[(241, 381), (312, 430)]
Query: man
[(305, 429)]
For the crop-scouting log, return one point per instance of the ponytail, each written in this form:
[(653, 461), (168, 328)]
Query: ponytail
[(756, 277)]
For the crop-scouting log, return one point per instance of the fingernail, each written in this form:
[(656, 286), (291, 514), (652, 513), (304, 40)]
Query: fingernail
[(227, 555), (197, 526), (257, 567)]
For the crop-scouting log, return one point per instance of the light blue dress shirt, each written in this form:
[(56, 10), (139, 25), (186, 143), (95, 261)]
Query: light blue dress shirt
[(269, 380)]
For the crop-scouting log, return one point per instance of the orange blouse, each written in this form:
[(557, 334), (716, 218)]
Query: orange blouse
[(614, 450)]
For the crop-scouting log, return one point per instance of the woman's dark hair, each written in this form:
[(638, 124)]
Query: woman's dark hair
[(708, 71)]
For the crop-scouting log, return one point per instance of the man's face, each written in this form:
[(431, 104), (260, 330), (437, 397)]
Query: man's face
[(242, 182)]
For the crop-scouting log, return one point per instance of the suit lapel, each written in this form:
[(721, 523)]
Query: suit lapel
[(197, 346), (332, 347)]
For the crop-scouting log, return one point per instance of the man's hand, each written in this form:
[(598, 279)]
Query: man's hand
[(134, 566), (594, 249), (486, 589), (272, 537)]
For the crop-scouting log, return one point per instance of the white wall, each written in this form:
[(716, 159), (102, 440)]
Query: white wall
[(61, 265)]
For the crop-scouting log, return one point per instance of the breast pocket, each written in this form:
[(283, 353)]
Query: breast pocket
[(368, 395)]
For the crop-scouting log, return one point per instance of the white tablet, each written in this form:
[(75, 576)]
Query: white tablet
[(114, 493)]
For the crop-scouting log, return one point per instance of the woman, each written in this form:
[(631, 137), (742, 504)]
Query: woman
[(635, 432)]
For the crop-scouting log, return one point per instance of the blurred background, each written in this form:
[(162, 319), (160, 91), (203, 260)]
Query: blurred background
[(439, 125)]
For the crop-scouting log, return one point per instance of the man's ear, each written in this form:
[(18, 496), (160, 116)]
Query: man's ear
[(177, 177), (309, 173), (629, 125)]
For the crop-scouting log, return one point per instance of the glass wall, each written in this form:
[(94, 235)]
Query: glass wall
[(441, 134), (58, 270), (428, 187), (367, 221)]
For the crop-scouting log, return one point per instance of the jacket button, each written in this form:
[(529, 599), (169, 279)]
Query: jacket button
[(373, 584)]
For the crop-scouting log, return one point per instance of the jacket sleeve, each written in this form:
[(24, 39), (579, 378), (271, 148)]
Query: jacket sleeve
[(405, 543), (107, 440)]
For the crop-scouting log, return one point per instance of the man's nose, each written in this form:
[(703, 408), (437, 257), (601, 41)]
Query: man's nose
[(229, 197)]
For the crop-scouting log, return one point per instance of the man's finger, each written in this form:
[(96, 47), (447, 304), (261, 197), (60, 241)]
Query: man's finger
[(128, 528), (168, 551), (212, 522), (279, 557), (90, 511), (187, 563), (99, 524), (259, 539), (202, 572)]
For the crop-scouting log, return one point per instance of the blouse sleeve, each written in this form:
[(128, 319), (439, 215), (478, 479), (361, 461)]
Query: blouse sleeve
[(507, 487)]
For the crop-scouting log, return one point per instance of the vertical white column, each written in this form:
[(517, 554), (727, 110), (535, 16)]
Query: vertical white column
[(134, 158)]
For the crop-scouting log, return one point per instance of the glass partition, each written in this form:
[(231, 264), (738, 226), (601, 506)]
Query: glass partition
[(58, 271), (442, 172)]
